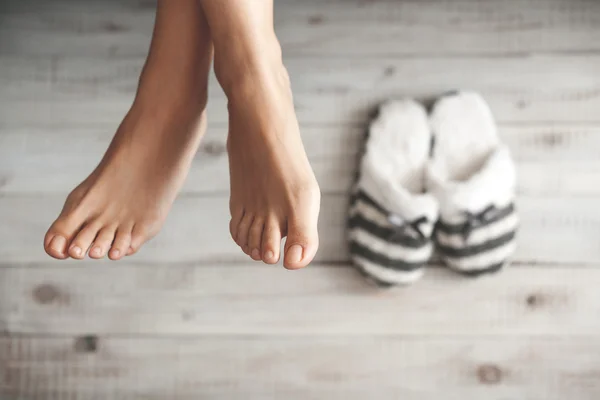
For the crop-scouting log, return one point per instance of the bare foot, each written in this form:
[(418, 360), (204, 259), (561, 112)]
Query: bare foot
[(273, 189), (125, 201)]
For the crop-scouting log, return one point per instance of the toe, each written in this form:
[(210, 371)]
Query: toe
[(59, 236), (121, 244), (271, 242), (302, 239), (243, 232), (140, 234), (102, 243), (255, 238), (56, 246), (236, 218), (82, 242)]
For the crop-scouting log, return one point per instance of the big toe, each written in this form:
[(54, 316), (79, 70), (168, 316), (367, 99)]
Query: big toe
[(55, 245), (59, 236), (301, 244)]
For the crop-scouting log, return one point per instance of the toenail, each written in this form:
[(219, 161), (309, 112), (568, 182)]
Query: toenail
[(76, 250), (294, 253), (115, 253), (269, 255), (255, 253), (58, 243), (97, 251)]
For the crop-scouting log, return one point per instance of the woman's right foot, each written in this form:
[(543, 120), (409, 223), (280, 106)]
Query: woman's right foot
[(274, 192), (125, 201)]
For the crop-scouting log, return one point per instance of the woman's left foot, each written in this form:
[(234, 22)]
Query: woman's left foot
[(125, 201)]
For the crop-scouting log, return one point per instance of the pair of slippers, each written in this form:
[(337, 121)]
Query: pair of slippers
[(443, 180)]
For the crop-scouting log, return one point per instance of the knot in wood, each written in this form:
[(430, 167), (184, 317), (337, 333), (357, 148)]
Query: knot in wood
[(489, 374), (86, 344)]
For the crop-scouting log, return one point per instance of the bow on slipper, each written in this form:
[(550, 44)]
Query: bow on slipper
[(473, 177), (391, 218)]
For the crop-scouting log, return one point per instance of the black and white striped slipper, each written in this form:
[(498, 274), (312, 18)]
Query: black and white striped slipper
[(391, 220), (473, 176)]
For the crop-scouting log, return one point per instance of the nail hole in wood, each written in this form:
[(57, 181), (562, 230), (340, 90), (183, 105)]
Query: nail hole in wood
[(552, 139), (114, 27), (86, 344), (390, 71), (535, 300), (187, 315), (489, 374), (521, 104), (315, 20), (214, 148)]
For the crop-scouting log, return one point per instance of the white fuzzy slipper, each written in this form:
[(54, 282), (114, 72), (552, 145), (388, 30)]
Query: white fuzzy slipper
[(472, 175), (391, 219)]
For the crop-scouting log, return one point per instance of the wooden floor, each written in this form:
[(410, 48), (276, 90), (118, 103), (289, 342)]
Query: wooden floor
[(190, 318)]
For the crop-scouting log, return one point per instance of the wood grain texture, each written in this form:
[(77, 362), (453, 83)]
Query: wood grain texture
[(424, 28), (71, 92), (190, 318), (185, 299), (552, 160), (354, 28), (301, 368)]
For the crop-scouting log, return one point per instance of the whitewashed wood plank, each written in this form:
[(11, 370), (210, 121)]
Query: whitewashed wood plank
[(553, 230), (416, 28), (321, 27), (90, 28), (351, 368), (552, 160), (87, 92), (37, 160), (250, 299), (85, 75)]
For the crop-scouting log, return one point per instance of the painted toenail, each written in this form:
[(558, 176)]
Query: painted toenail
[(255, 253), (58, 244), (76, 250), (269, 255), (294, 253)]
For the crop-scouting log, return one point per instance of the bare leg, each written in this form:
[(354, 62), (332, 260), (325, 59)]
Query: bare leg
[(125, 200), (273, 190)]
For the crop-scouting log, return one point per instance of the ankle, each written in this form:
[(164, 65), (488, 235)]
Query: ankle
[(242, 68)]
